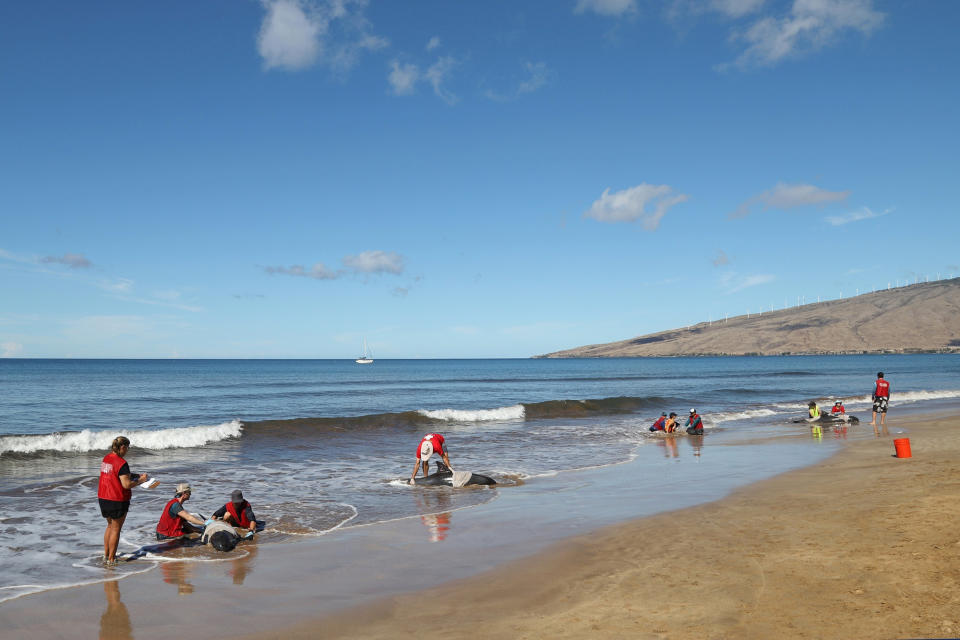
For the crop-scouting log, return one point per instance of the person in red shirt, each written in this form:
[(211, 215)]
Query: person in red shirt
[(174, 518), (839, 408), (238, 512), (881, 396), (430, 444), (113, 493)]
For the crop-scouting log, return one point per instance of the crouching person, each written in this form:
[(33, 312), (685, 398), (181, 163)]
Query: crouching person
[(238, 513), (175, 521)]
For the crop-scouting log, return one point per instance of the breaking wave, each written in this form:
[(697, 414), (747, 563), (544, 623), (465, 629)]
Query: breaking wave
[(87, 440)]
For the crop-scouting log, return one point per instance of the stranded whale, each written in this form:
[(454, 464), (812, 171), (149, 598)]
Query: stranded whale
[(443, 477)]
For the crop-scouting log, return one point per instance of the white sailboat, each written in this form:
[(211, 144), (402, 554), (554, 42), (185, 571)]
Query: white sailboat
[(365, 358)]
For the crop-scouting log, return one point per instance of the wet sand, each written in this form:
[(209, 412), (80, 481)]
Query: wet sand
[(860, 545), (863, 545)]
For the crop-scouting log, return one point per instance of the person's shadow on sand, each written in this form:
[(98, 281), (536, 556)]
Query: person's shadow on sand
[(115, 621)]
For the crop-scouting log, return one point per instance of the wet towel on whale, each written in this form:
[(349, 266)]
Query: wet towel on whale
[(460, 478)]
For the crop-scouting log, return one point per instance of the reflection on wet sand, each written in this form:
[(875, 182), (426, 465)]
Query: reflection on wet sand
[(115, 621), (670, 449), (438, 524), (178, 573), (697, 443), (243, 565)]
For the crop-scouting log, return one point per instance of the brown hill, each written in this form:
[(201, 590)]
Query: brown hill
[(921, 317)]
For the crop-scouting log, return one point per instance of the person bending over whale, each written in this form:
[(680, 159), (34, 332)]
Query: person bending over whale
[(175, 521), (237, 512), (430, 444)]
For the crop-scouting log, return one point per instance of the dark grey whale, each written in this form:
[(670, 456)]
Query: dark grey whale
[(443, 477)]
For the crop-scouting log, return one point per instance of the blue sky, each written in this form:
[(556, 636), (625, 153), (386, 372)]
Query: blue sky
[(460, 179)]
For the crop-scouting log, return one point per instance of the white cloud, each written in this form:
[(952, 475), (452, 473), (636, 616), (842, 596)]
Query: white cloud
[(289, 37), (437, 75), (117, 285), (403, 78), (367, 262), (537, 76), (721, 258), (788, 196), (811, 25), (606, 7), (72, 260), (736, 8), (863, 214), (296, 34), (728, 8), (732, 282), (631, 204), (318, 271), (434, 43), (10, 349), (375, 262)]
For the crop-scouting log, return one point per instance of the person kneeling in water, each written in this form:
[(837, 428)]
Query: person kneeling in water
[(694, 424), (661, 424), (237, 512), (175, 521), (814, 411)]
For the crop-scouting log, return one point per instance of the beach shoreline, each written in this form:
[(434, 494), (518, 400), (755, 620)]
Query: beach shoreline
[(859, 545), (595, 584)]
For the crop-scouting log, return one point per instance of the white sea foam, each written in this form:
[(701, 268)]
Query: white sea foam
[(88, 440), (515, 412), (740, 415)]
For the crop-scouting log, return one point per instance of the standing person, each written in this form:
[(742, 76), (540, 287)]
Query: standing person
[(430, 444), (113, 492), (881, 396), (171, 525), (694, 424), (660, 424), (238, 512)]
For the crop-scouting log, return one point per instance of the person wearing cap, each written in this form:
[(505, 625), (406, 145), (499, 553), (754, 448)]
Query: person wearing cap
[(671, 424), (660, 424), (694, 424), (881, 396), (175, 521), (430, 444), (838, 408), (237, 512)]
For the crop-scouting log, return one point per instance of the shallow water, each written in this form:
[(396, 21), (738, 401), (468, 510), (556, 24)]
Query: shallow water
[(226, 424)]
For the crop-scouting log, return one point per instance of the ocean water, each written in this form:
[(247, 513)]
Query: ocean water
[(317, 445)]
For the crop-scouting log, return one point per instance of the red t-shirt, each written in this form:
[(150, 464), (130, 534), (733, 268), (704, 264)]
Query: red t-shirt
[(883, 388), (434, 439), (837, 409)]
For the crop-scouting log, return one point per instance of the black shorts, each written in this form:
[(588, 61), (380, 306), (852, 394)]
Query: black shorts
[(880, 404), (113, 509)]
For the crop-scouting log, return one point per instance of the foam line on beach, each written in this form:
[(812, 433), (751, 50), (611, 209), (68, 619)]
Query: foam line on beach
[(90, 440)]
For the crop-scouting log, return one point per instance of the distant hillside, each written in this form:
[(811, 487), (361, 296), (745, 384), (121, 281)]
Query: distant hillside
[(921, 317)]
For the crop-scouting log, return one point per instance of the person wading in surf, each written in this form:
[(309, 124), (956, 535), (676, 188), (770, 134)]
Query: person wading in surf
[(430, 444)]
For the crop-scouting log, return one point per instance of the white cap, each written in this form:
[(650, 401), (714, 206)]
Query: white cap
[(693, 410), (426, 450)]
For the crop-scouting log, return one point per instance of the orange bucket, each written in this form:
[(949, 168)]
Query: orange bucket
[(902, 447)]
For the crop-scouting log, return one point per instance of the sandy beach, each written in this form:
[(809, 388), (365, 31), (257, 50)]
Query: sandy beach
[(863, 545)]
